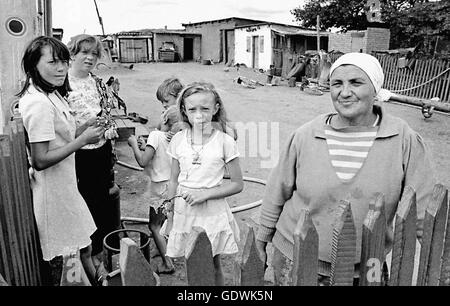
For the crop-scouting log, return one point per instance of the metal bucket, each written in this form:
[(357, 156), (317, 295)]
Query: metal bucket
[(144, 245)]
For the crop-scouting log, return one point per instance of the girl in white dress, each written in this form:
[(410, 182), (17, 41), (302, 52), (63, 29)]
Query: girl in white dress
[(63, 220), (200, 154)]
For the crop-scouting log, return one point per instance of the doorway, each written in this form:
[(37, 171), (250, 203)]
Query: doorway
[(255, 52), (188, 49)]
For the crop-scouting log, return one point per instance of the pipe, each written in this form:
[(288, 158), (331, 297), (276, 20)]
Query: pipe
[(443, 107), (233, 210)]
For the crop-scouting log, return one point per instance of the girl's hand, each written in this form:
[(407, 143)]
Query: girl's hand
[(195, 197), (132, 141), (92, 134), (169, 136), (91, 122)]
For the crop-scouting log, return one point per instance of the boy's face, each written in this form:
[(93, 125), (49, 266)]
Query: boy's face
[(168, 101)]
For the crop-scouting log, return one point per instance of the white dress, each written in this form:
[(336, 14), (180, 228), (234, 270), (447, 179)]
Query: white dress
[(214, 216), (62, 216)]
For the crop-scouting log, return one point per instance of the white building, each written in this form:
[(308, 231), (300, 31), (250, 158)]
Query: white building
[(264, 44)]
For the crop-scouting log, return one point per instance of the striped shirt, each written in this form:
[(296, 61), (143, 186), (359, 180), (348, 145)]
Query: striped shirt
[(348, 148)]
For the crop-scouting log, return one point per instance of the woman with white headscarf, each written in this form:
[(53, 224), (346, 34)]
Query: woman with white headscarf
[(351, 154)]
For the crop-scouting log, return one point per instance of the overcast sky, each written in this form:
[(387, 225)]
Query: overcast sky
[(79, 16)]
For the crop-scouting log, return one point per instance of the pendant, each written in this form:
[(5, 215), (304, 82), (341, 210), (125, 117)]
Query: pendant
[(196, 159)]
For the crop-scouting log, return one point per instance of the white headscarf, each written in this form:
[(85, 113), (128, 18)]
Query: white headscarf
[(367, 63)]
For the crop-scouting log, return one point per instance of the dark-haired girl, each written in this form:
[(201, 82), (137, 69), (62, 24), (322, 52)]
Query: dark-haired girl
[(63, 219)]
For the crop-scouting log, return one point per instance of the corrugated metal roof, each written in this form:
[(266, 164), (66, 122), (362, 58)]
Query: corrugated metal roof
[(219, 20)]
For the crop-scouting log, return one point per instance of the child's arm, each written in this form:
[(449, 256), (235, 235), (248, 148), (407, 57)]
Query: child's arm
[(225, 190), (173, 182), (143, 159)]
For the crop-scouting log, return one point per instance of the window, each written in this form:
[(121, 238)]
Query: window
[(261, 44), (249, 43)]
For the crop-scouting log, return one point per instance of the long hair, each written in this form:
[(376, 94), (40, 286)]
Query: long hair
[(30, 59), (219, 119)]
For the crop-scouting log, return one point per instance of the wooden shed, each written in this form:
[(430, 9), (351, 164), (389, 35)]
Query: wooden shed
[(134, 46)]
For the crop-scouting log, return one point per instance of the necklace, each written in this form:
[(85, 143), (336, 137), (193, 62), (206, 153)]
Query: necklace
[(196, 153)]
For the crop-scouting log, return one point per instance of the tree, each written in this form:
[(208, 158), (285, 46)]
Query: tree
[(412, 22)]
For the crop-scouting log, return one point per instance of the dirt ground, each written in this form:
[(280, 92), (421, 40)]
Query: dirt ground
[(275, 111)]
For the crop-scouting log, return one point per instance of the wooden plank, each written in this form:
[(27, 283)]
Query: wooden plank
[(4, 267), (444, 279), (438, 88), (135, 270), (437, 243), (20, 220), (422, 79), (433, 72), (306, 252), (446, 96), (417, 77), (7, 195), (426, 78), (249, 267), (199, 259), (32, 235), (27, 205), (343, 249), (409, 79), (372, 249), (446, 85), (73, 274), (404, 246), (436, 81), (433, 239), (2, 281)]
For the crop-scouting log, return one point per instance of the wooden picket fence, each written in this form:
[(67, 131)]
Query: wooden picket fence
[(432, 269), (426, 79), (434, 263), (19, 243)]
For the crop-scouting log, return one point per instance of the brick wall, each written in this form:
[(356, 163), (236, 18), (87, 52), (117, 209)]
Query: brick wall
[(355, 41)]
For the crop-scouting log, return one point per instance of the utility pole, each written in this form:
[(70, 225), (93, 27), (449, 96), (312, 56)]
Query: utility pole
[(318, 33), (99, 18)]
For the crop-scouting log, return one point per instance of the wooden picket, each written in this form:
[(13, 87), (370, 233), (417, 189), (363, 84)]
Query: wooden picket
[(19, 247)]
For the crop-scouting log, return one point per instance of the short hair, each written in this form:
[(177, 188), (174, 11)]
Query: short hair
[(170, 86), (170, 117), (31, 58), (75, 42)]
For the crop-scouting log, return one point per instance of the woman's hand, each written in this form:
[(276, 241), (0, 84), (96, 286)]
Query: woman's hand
[(92, 134), (195, 197)]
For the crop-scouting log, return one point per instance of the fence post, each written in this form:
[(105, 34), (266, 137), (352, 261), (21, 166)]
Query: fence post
[(372, 244), (433, 238), (404, 246), (249, 268), (445, 269), (2, 281), (134, 267), (343, 249), (306, 252), (199, 259)]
